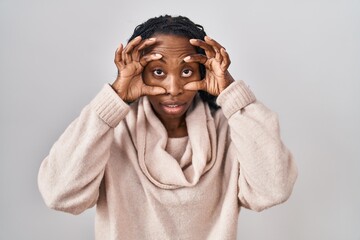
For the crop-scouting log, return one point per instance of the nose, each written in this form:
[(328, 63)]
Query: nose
[(174, 86)]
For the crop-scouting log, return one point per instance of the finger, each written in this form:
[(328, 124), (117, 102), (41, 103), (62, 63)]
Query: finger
[(118, 53), (209, 51), (152, 90), (118, 58), (195, 85), (148, 58), (196, 58), (226, 59), (126, 56), (218, 56), (214, 44), (144, 44), (216, 47)]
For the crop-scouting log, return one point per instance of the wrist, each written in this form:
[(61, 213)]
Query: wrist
[(237, 96), (118, 91), (228, 80)]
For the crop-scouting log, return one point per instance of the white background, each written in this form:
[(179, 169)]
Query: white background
[(301, 58)]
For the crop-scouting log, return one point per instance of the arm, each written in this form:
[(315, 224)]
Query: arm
[(267, 169), (70, 176)]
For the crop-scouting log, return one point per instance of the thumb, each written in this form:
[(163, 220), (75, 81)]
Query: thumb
[(152, 90), (195, 85)]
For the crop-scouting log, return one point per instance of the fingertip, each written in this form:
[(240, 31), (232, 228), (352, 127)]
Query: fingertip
[(187, 58), (207, 38), (153, 90), (158, 91), (162, 91), (186, 87), (158, 55), (136, 40), (192, 86), (119, 47)]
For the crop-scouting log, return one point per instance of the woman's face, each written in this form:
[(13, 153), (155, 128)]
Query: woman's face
[(171, 73)]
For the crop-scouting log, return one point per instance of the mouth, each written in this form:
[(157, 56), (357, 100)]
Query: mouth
[(173, 108), (172, 105)]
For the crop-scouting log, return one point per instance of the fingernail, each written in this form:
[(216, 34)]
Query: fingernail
[(152, 39), (193, 40), (187, 58), (157, 55)]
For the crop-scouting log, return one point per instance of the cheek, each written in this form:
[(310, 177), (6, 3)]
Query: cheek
[(189, 96), (146, 75), (154, 101)]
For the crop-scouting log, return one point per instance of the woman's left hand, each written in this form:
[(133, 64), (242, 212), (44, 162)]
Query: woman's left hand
[(216, 61)]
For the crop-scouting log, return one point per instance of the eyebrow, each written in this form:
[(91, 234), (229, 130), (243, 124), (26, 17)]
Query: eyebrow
[(162, 60)]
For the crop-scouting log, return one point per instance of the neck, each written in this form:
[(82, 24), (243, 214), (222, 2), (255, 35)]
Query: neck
[(175, 127)]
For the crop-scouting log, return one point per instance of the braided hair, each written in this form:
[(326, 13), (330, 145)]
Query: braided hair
[(179, 26)]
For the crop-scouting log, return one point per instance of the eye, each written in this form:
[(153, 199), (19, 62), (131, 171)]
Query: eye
[(158, 72), (187, 73)]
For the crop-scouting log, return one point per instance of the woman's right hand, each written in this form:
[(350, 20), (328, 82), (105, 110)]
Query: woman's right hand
[(129, 84)]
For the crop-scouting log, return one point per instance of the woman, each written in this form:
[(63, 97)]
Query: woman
[(173, 148)]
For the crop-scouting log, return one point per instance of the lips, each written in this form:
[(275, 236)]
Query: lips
[(173, 108), (172, 105)]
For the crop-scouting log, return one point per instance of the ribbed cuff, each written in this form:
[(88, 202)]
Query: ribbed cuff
[(235, 97), (109, 106)]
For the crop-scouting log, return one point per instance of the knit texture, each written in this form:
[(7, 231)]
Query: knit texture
[(114, 156), (239, 95)]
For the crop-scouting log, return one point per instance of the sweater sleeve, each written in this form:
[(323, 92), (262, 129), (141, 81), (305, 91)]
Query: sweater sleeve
[(70, 176), (267, 170)]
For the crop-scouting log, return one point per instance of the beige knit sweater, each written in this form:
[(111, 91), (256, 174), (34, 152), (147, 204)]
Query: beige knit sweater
[(115, 156)]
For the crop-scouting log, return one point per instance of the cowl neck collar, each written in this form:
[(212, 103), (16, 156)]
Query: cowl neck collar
[(158, 165)]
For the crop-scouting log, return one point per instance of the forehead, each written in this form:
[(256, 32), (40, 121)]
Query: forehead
[(172, 46)]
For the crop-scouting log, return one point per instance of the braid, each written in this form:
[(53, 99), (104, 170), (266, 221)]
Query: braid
[(180, 26)]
